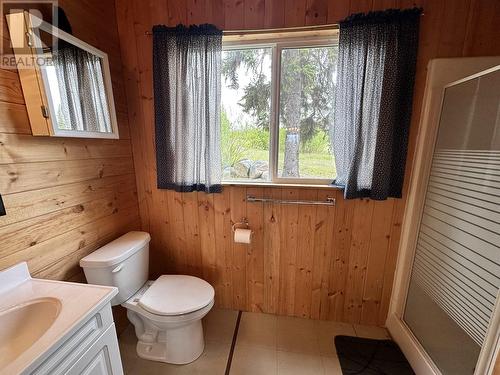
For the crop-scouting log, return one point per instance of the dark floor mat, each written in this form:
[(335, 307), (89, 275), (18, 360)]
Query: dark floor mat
[(360, 356)]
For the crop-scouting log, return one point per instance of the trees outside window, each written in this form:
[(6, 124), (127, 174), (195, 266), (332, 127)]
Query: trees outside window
[(279, 95)]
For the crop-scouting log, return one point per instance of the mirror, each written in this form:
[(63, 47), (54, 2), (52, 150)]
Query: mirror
[(72, 79)]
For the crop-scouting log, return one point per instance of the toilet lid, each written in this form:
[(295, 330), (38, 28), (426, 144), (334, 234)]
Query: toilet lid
[(177, 294)]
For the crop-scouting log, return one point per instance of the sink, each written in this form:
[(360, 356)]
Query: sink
[(23, 324)]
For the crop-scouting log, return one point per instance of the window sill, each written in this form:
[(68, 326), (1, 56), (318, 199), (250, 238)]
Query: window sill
[(279, 185)]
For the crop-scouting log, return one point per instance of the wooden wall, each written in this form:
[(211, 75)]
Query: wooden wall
[(318, 262), (65, 197)]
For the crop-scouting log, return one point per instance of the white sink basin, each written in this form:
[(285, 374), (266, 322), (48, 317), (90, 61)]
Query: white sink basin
[(23, 324)]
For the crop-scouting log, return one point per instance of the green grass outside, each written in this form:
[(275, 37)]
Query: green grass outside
[(311, 165)]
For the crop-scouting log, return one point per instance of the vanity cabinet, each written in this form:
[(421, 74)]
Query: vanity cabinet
[(103, 357), (92, 349)]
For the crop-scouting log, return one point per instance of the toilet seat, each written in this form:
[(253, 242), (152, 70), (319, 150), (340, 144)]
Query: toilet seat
[(172, 295)]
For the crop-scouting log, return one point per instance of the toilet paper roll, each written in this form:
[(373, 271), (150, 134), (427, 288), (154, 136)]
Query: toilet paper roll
[(242, 235)]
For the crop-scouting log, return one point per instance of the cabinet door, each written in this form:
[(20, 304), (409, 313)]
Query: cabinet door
[(99, 365), (103, 358)]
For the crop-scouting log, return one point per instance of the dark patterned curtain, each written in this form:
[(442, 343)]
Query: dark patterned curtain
[(373, 101), (187, 89)]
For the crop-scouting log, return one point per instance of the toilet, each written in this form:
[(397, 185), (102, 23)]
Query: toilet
[(165, 312)]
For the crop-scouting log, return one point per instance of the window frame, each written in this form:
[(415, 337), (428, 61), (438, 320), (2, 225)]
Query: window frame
[(277, 45)]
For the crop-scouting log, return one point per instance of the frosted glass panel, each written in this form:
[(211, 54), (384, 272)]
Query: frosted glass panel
[(456, 272)]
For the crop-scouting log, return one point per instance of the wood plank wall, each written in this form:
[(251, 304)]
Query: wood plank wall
[(65, 197), (315, 262)]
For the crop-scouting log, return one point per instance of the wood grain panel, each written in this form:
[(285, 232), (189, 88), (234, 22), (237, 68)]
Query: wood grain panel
[(14, 119), (238, 211), (206, 217), (377, 259), (324, 263), (65, 197), (67, 266), (288, 237), (358, 259), (50, 251), (28, 204), (33, 176), (10, 87), (324, 228), (295, 13), (17, 148), (306, 228), (192, 234), (272, 251), (32, 231), (316, 12), (360, 6), (274, 14), (177, 11), (197, 10), (218, 13), (253, 14), (224, 254), (123, 126), (255, 253), (344, 212), (234, 14), (338, 10), (125, 14), (481, 36)]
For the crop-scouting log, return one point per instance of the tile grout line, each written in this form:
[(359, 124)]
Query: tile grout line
[(233, 343)]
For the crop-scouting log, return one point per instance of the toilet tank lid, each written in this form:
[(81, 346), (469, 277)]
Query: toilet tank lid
[(116, 251)]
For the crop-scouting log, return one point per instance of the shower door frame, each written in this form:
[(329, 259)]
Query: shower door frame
[(441, 73)]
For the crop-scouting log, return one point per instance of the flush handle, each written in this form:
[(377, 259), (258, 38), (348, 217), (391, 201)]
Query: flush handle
[(117, 269)]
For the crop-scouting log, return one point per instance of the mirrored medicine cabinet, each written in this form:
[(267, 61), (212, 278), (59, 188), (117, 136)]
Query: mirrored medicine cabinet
[(66, 82)]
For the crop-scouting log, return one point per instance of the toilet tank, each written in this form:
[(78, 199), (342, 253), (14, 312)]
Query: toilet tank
[(122, 263)]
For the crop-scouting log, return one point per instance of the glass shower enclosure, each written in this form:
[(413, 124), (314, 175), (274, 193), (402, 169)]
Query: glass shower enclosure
[(455, 276)]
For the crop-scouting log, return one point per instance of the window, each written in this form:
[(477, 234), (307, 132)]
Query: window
[(277, 110)]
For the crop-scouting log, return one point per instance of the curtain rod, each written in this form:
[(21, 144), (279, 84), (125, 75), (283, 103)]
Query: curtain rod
[(332, 26)]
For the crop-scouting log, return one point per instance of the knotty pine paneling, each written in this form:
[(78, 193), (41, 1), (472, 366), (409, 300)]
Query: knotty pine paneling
[(316, 262), (65, 197)]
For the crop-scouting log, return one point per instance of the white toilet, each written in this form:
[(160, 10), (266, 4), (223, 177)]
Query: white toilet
[(166, 313)]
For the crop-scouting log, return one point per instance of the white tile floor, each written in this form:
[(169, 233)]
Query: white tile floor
[(266, 344), (219, 328)]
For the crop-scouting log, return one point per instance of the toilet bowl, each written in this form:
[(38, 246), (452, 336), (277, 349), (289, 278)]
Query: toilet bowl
[(166, 312), (170, 333)]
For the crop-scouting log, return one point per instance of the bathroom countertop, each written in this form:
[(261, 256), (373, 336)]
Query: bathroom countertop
[(78, 301)]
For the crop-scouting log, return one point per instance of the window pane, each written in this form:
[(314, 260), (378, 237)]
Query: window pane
[(246, 103), (306, 113)]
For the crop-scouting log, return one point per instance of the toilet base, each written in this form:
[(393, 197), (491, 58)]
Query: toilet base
[(179, 345), (176, 339)]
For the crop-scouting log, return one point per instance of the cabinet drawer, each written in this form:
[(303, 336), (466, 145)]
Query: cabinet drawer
[(75, 346)]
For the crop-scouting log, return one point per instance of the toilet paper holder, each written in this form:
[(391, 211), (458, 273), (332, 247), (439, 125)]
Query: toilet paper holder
[(243, 224)]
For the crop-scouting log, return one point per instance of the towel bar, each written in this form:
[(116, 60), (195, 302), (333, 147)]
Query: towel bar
[(330, 201)]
